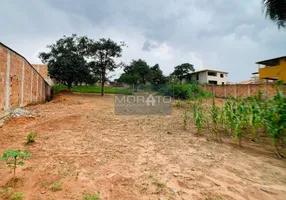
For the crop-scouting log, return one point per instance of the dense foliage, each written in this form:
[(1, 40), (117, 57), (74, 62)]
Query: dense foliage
[(138, 72), (184, 91), (74, 60), (182, 71), (245, 118), (276, 11)]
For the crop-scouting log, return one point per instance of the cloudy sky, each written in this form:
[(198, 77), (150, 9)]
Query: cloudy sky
[(228, 35)]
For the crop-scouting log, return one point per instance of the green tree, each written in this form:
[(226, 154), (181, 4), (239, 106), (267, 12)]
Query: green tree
[(65, 60), (139, 68), (181, 71), (276, 11), (155, 76), (103, 53), (129, 79)]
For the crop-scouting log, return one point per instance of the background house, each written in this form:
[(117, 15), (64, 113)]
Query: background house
[(273, 69), (209, 76)]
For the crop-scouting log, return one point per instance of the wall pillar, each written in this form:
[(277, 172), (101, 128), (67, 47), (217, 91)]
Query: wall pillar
[(235, 87), (31, 92), (22, 84), (37, 91), (8, 88), (248, 90), (224, 88)]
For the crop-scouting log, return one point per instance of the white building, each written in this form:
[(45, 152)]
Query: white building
[(209, 76)]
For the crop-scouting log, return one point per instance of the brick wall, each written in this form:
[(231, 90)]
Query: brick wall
[(20, 82), (43, 70), (241, 90)]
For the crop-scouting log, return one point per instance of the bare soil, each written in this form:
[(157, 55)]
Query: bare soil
[(85, 147)]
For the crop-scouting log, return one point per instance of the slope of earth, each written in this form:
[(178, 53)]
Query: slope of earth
[(83, 147)]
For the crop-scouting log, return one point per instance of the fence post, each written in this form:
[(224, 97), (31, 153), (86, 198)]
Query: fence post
[(224, 91), (248, 90)]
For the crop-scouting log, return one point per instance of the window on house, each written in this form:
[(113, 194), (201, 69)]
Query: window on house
[(212, 74), (221, 75), (213, 82), (222, 83)]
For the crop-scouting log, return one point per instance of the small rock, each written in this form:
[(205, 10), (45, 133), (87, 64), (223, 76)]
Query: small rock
[(176, 174), (62, 162), (209, 154), (111, 175), (174, 190), (43, 192)]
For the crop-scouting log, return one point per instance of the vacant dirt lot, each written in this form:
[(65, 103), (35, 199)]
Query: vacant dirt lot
[(85, 147)]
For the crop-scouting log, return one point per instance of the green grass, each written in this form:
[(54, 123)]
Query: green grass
[(93, 89)]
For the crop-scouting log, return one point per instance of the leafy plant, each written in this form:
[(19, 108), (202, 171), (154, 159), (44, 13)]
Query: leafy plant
[(255, 116), (275, 120), (178, 104), (31, 137), (94, 196), (56, 186), (198, 117), (186, 118), (215, 119), (5, 193), (14, 158), (17, 196)]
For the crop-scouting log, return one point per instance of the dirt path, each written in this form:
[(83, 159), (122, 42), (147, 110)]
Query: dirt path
[(84, 146)]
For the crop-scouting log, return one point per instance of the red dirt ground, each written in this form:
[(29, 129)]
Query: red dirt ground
[(85, 147)]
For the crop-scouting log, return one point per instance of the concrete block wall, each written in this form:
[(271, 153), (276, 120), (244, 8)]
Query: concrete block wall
[(241, 90), (43, 70), (20, 83)]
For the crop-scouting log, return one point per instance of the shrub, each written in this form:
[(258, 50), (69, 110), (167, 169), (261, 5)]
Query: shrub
[(186, 118), (94, 196), (56, 186), (31, 137), (184, 91), (17, 196)]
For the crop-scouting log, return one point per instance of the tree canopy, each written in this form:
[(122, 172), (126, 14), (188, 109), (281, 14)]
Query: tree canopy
[(103, 54), (72, 60), (65, 60), (276, 11), (139, 72), (181, 71)]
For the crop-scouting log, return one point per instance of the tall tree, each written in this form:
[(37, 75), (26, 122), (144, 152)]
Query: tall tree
[(155, 75), (276, 11), (130, 79), (103, 53), (65, 60), (139, 68), (181, 71)]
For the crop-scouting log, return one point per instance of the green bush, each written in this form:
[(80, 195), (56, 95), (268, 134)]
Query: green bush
[(184, 91), (31, 137)]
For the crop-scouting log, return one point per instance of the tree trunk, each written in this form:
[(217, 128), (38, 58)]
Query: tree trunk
[(102, 81), (69, 86)]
